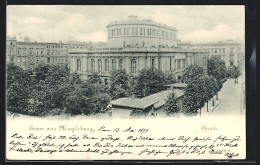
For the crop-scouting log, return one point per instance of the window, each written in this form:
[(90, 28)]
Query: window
[(120, 63), (78, 65), (113, 64), (106, 65), (183, 63), (133, 66), (19, 59), (152, 63), (99, 65), (92, 65), (163, 33), (231, 62), (136, 31), (48, 60), (178, 64)]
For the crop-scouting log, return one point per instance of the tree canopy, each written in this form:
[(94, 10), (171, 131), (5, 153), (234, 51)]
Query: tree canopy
[(50, 88), (149, 81), (119, 84), (233, 72), (192, 72)]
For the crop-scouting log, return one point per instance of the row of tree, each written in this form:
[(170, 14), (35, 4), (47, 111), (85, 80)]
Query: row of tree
[(50, 89), (201, 87)]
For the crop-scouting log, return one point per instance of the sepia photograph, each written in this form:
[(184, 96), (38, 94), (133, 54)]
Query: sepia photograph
[(115, 82)]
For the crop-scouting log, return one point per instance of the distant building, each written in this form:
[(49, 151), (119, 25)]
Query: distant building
[(28, 55), (233, 53)]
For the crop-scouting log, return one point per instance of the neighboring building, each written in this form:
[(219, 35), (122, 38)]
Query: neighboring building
[(232, 53), (28, 55), (124, 52)]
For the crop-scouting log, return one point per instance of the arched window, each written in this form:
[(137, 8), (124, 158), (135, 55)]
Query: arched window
[(152, 65), (92, 65), (99, 65), (113, 64), (106, 65), (133, 66), (78, 65), (121, 64)]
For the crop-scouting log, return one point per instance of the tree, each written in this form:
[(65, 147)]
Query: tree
[(15, 73), (87, 99), (118, 84), (214, 88), (192, 72), (217, 69), (171, 105), (17, 97), (17, 91), (234, 72), (95, 78), (170, 78), (198, 92), (149, 81)]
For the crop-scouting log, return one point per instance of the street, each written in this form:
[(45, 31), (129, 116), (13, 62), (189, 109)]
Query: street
[(230, 100)]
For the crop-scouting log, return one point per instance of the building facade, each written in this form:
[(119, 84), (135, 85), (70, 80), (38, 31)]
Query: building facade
[(233, 53), (103, 60), (134, 45), (28, 55)]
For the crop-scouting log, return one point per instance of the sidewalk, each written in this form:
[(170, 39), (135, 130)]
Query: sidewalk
[(210, 106)]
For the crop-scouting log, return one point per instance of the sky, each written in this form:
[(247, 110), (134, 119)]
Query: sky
[(88, 23)]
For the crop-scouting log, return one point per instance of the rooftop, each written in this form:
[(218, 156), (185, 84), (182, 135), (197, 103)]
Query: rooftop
[(177, 85), (157, 99), (178, 93), (132, 103), (134, 20)]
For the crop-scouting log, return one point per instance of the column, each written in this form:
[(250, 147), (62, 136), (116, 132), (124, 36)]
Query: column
[(71, 64), (83, 64), (127, 64), (96, 64)]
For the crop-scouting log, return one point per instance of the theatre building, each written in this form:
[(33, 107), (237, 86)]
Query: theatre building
[(136, 44)]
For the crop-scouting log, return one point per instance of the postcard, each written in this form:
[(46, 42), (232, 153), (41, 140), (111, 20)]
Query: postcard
[(125, 82)]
